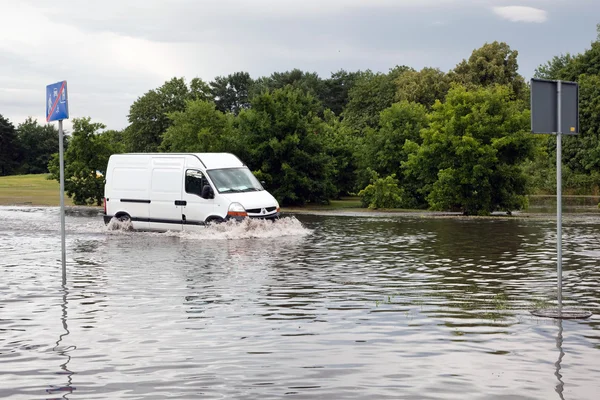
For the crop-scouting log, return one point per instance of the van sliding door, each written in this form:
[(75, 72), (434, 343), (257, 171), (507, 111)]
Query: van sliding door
[(165, 193)]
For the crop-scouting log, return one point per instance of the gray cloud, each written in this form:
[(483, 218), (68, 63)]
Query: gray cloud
[(111, 52)]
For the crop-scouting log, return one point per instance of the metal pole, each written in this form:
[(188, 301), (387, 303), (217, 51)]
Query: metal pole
[(559, 197), (62, 201)]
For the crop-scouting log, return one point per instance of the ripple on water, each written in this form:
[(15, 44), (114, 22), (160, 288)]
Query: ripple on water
[(311, 306)]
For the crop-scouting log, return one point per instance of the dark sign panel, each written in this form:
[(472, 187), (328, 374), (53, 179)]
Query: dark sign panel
[(544, 107)]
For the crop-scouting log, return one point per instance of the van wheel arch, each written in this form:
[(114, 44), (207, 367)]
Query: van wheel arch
[(122, 216), (214, 219)]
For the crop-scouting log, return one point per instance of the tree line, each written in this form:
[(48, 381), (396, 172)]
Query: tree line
[(457, 140)]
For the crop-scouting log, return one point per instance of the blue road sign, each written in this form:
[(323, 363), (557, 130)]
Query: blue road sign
[(57, 102)]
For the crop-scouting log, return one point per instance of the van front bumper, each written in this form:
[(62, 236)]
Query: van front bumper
[(270, 217)]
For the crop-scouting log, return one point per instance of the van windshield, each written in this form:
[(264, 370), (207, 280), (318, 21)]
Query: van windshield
[(234, 180)]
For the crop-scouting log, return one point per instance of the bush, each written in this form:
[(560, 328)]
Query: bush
[(381, 193)]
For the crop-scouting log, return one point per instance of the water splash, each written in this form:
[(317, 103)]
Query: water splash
[(245, 229), (118, 225)]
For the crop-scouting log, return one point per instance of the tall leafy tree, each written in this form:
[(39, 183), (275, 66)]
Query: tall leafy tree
[(492, 64), (335, 93), (308, 82), (342, 146), (200, 90), (286, 149), (148, 119), (472, 152), (331, 92), (384, 150), (112, 141), (369, 96), (231, 92), (200, 128), (86, 160), (560, 67), (38, 143), (423, 87), (9, 147)]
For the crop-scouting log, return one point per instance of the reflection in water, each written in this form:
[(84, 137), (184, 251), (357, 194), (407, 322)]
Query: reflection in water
[(64, 351), (559, 342)]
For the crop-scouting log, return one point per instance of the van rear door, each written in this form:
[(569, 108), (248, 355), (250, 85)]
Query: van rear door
[(165, 193)]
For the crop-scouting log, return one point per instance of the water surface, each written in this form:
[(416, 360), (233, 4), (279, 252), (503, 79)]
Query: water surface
[(313, 306)]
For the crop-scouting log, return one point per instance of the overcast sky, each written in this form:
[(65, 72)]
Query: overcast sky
[(111, 52)]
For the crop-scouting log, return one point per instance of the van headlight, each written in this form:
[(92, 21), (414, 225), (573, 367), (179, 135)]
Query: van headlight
[(236, 210)]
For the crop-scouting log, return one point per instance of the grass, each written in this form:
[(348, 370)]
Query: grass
[(344, 202), (35, 190)]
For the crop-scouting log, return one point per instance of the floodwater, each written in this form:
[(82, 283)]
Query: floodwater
[(311, 306)]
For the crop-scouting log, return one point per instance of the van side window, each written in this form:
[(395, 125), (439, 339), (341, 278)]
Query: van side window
[(194, 181)]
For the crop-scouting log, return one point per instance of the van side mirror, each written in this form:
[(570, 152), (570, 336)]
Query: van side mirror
[(207, 192), (263, 183)]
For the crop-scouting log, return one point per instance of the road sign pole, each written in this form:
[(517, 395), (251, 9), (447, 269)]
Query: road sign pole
[(559, 194), (549, 115), (62, 201), (57, 109)]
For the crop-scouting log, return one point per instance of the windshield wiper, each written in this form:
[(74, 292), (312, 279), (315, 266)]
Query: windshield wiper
[(230, 190)]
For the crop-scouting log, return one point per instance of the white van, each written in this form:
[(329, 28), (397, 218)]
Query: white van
[(174, 191)]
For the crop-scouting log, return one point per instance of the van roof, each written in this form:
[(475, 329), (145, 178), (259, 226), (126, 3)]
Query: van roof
[(219, 160), (209, 160)]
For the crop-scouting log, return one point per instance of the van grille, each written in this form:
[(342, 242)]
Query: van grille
[(257, 210)]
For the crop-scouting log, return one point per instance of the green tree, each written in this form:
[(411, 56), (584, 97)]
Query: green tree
[(423, 87), (148, 115), (382, 193), (200, 128), (383, 149), (285, 147), (112, 140), (38, 143), (557, 68), (472, 153), (369, 96), (493, 63), (308, 82), (231, 92), (10, 148), (342, 146), (199, 90), (335, 94), (86, 160)]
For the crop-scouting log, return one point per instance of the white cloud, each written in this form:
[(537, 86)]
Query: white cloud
[(521, 14)]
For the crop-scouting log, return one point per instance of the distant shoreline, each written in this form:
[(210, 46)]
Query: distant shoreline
[(38, 191), (583, 214)]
